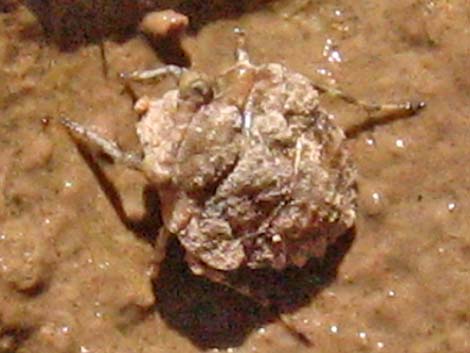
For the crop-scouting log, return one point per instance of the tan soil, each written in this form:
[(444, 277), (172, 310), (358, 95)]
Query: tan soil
[(76, 277)]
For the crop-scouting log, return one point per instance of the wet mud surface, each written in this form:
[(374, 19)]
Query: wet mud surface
[(76, 271)]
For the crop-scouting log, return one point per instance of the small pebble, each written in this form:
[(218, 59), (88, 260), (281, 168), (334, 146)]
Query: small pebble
[(165, 23)]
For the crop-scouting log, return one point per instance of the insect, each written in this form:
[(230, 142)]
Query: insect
[(250, 170)]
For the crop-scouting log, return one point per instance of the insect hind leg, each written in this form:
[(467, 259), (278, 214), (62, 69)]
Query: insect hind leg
[(220, 277), (376, 113)]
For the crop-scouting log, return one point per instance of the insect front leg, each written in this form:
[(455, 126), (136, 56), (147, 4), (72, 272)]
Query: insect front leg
[(109, 147), (154, 74)]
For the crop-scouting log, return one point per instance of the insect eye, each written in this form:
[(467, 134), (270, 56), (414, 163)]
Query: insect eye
[(195, 87), (203, 89)]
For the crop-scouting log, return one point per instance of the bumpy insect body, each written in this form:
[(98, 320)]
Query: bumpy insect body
[(250, 170)]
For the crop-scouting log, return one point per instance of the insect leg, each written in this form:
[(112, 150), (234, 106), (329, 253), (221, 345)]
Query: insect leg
[(407, 108), (241, 54), (154, 74), (107, 146), (160, 248), (284, 320), (104, 58), (220, 278)]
